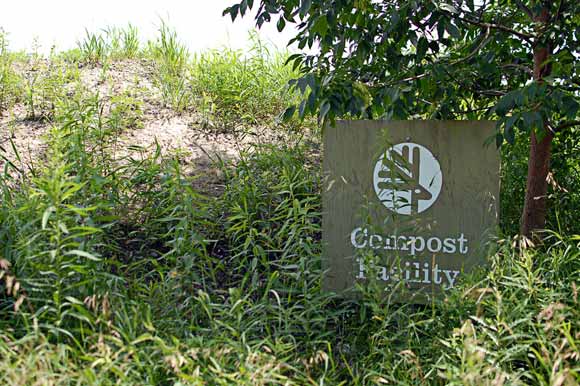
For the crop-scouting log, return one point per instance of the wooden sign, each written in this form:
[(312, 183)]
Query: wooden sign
[(408, 205)]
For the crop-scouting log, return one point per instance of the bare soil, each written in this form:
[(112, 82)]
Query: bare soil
[(200, 149)]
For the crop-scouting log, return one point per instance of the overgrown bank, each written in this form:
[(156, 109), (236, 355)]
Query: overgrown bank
[(119, 267)]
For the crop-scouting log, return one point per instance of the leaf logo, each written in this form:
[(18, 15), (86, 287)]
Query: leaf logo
[(407, 178)]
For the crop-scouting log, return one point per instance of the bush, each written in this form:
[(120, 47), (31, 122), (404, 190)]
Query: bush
[(115, 269)]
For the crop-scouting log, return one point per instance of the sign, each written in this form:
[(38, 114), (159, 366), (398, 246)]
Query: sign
[(408, 205)]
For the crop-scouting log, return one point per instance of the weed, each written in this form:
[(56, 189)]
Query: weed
[(114, 269), (236, 88), (126, 112), (130, 38), (10, 82), (122, 43), (171, 57), (47, 83), (112, 43), (93, 48)]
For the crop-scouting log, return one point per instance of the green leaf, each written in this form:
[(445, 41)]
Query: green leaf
[(243, 7), (143, 338), (289, 113), (320, 26), (422, 46), (302, 109), (234, 11), (281, 24), (509, 132), (448, 7), (84, 254), (324, 109), (504, 105), (532, 119), (62, 226), (305, 7), (498, 140), (571, 107), (46, 216), (519, 98), (453, 31)]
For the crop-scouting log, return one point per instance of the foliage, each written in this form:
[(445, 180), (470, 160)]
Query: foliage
[(235, 87), (116, 269), (45, 84), (123, 42), (126, 112), (171, 58), (512, 61), (111, 43), (564, 185), (227, 289), (409, 59), (10, 82)]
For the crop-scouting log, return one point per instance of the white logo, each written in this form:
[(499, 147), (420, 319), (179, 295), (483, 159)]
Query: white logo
[(407, 178)]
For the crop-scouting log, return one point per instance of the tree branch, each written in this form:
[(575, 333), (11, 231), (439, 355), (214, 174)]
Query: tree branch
[(565, 126), (525, 69), (483, 42), (559, 11), (527, 37), (525, 8)]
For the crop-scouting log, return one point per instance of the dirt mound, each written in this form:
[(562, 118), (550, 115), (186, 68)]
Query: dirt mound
[(23, 140)]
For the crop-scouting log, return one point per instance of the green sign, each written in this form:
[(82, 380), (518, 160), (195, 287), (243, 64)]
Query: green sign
[(408, 205)]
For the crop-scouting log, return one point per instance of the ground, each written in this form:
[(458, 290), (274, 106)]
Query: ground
[(200, 144), (143, 280)]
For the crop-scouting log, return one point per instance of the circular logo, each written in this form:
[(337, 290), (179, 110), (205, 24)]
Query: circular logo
[(407, 178)]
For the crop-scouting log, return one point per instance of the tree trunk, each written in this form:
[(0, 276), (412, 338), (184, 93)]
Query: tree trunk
[(535, 204)]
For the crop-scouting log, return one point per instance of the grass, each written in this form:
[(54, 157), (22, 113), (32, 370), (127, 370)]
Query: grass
[(110, 43), (10, 82), (115, 267), (171, 58), (234, 87), (223, 86)]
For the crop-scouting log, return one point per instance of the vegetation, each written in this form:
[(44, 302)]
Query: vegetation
[(511, 61), (110, 43), (9, 80), (120, 264), (227, 82)]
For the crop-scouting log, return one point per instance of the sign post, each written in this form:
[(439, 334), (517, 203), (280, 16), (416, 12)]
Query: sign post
[(409, 205)]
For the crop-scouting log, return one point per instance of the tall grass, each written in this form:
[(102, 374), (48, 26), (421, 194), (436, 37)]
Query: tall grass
[(227, 290), (111, 43), (235, 87), (116, 269), (229, 88), (10, 82), (171, 57), (47, 82), (123, 43)]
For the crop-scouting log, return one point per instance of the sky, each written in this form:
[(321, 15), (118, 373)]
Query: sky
[(199, 23)]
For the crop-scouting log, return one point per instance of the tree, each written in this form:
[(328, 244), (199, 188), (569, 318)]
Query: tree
[(513, 60)]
